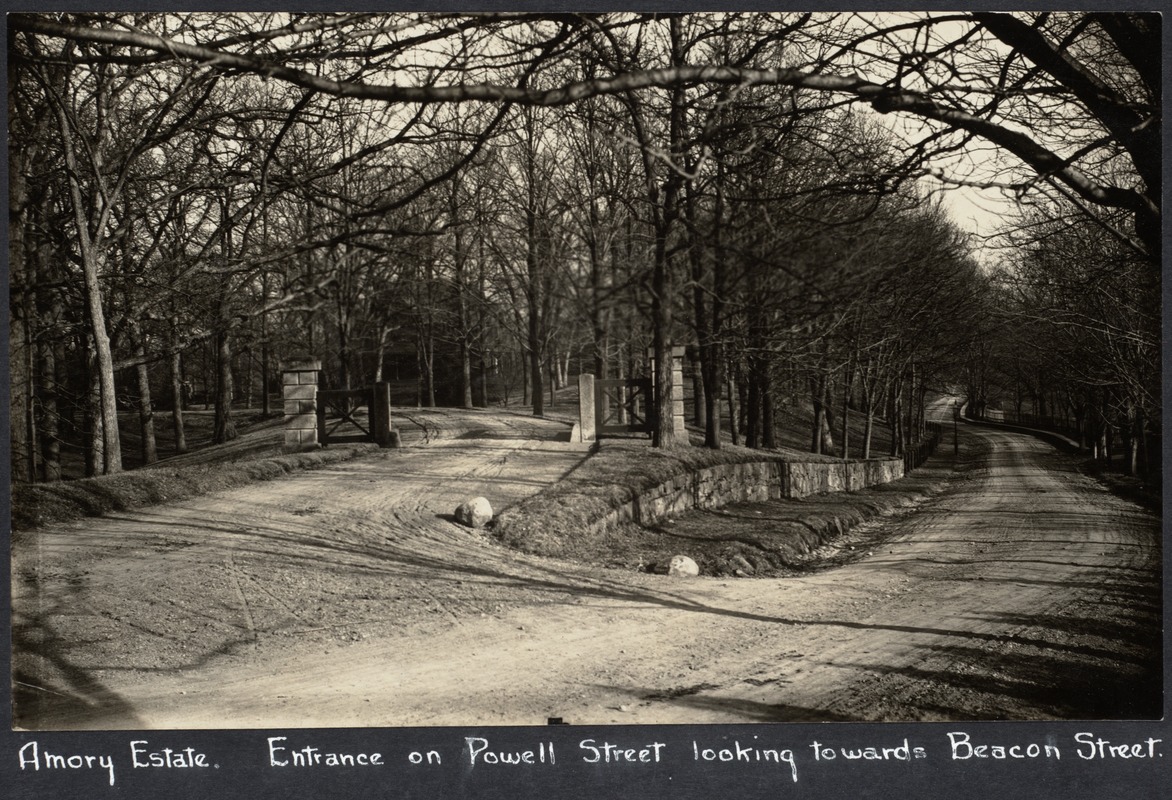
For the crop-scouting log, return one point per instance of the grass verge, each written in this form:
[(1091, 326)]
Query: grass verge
[(556, 522), (778, 537), (1128, 487), (39, 504)]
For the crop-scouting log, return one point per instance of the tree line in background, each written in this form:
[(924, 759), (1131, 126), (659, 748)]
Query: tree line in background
[(1075, 338), (482, 206)]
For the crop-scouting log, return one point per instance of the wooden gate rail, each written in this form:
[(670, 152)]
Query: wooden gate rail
[(623, 405), (339, 406)]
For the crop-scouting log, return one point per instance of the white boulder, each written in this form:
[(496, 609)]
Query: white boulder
[(475, 513)]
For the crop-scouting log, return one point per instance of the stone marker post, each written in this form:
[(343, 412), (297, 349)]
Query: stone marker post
[(586, 431), (299, 389), (380, 413), (677, 394)]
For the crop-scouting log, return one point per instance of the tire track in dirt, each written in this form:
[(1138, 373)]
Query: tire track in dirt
[(315, 546), (1025, 574)]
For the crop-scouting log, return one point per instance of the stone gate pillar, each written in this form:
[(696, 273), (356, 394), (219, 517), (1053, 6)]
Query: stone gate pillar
[(586, 432), (380, 414), (677, 394), (299, 388)]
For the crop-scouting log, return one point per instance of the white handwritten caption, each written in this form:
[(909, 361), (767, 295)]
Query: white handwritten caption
[(35, 758), (479, 751)]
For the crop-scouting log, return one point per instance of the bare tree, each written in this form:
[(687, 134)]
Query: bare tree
[(269, 184)]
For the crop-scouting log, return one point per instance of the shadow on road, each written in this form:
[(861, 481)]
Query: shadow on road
[(1064, 666)]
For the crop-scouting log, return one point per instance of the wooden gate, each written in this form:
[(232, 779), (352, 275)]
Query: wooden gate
[(623, 405), (340, 417)]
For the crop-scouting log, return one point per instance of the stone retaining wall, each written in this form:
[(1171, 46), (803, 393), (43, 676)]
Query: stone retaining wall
[(751, 482), (806, 478)]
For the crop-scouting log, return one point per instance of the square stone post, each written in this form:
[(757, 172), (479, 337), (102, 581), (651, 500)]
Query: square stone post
[(677, 394), (299, 390), (380, 414), (586, 431)]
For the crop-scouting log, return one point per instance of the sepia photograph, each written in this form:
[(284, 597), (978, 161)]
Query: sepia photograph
[(430, 369)]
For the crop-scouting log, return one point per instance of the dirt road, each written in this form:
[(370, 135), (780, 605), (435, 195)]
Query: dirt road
[(348, 597)]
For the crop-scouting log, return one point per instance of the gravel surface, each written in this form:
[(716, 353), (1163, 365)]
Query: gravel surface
[(349, 597)]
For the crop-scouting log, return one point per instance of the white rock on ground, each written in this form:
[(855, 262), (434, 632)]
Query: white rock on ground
[(475, 513), (683, 566)]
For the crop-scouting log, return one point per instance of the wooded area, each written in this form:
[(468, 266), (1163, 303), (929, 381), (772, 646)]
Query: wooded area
[(483, 206)]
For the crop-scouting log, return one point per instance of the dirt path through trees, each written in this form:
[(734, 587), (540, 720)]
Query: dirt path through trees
[(347, 597)]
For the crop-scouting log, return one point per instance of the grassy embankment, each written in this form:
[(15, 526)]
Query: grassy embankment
[(756, 538), (604, 480), (255, 455)]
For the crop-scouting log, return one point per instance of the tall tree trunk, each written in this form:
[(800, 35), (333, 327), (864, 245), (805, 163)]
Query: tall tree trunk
[(429, 364), (52, 354), (818, 394), (96, 439), (425, 350), (846, 428), (482, 322), (894, 415), (380, 351), (466, 373), (752, 409), (867, 390), (178, 390), (733, 428), (827, 427), (22, 436), (702, 354), (536, 387), (224, 429), (91, 234), (459, 278), (663, 201), (249, 380), (265, 346), (93, 263), (768, 429), (524, 361), (24, 264), (662, 283), (908, 389), (425, 337), (146, 413), (535, 285), (104, 364), (344, 352), (482, 379), (598, 317), (712, 411), (343, 313), (1147, 460), (1131, 440), (22, 388), (420, 390), (711, 350)]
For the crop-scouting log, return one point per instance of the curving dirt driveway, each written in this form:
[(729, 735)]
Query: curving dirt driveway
[(348, 597)]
